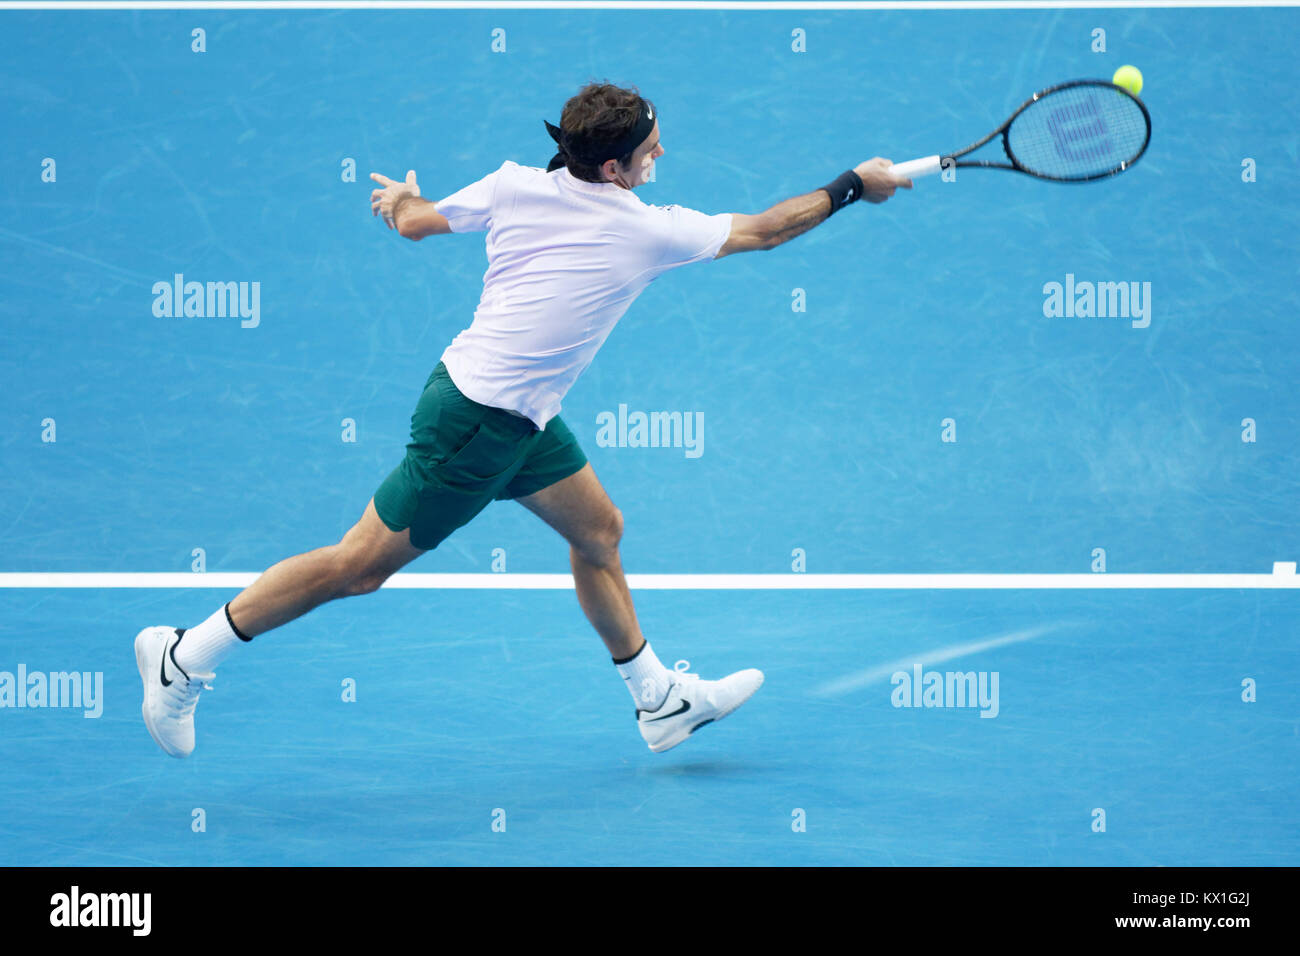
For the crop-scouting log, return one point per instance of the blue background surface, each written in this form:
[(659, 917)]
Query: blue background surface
[(822, 432)]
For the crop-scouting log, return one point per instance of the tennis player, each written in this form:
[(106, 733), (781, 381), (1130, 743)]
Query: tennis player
[(569, 249)]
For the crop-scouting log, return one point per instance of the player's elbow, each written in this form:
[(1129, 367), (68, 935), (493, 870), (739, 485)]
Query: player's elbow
[(765, 233), (422, 221), (748, 234)]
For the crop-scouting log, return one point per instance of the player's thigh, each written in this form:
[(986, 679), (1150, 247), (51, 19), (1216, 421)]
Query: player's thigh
[(370, 547), (579, 509), (461, 457), (553, 455)]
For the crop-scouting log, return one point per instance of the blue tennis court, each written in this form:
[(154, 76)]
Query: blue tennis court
[(882, 395)]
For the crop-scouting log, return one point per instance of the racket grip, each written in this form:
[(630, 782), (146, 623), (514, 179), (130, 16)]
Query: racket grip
[(916, 167)]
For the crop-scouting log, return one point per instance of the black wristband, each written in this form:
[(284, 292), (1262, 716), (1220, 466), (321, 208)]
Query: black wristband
[(847, 188)]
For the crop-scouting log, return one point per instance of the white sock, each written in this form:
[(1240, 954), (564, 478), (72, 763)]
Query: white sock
[(647, 679), (202, 648)]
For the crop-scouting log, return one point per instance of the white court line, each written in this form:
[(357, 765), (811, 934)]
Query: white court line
[(681, 5), (1281, 578), (871, 675)]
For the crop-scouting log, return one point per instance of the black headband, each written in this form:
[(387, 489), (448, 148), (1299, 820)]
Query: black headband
[(594, 154)]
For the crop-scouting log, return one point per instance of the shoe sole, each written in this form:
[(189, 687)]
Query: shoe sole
[(146, 669), (677, 738)]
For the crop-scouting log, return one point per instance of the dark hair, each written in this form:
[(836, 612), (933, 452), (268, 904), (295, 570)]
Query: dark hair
[(600, 112)]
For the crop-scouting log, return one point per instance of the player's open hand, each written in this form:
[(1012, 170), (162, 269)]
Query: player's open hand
[(878, 182), (384, 201)]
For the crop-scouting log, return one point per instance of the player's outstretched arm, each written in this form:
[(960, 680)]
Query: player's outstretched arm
[(404, 210), (796, 216)]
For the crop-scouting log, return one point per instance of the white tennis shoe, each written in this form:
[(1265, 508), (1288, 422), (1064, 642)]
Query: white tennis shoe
[(170, 694), (691, 703)]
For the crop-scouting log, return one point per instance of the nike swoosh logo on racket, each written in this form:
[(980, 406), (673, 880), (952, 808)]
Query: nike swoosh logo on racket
[(686, 705)]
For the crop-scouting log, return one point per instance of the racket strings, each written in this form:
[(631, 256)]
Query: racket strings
[(1079, 133)]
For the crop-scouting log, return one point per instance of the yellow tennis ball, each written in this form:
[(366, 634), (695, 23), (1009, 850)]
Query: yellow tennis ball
[(1129, 77)]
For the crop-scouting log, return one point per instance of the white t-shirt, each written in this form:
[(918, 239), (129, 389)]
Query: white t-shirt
[(565, 260)]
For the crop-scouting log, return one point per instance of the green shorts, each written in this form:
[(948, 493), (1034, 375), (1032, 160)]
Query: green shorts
[(462, 456)]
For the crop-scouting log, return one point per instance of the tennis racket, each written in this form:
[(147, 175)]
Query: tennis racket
[(1070, 133)]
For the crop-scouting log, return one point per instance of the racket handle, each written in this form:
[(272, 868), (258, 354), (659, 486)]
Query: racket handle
[(914, 168)]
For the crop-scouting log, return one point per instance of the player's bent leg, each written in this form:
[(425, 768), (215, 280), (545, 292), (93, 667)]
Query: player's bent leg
[(671, 705), (580, 510), (359, 564)]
